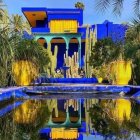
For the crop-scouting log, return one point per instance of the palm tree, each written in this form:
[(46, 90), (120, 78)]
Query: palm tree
[(26, 27), (17, 23), (7, 56), (79, 5), (4, 19), (13, 48), (102, 5)]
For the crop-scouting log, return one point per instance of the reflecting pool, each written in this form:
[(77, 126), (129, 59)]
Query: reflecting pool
[(75, 119)]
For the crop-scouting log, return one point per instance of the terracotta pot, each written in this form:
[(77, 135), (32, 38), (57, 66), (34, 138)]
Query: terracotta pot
[(24, 72), (121, 72)]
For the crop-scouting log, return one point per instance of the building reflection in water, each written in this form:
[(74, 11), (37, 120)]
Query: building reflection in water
[(73, 118), (69, 119)]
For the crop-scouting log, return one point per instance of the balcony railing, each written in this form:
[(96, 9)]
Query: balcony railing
[(47, 30)]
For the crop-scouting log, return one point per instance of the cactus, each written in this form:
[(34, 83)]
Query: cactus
[(87, 43), (90, 41), (53, 60), (72, 62)]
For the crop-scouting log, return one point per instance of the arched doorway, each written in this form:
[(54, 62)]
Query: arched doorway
[(42, 42), (60, 42)]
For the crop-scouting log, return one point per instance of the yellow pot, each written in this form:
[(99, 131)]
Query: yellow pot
[(121, 71), (24, 72), (100, 79)]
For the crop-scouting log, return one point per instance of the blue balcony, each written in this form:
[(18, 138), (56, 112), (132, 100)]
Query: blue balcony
[(40, 30)]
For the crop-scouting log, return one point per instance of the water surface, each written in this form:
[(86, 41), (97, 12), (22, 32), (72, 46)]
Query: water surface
[(68, 117)]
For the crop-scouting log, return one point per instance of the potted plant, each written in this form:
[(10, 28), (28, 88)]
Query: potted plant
[(121, 71), (116, 56), (30, 60)]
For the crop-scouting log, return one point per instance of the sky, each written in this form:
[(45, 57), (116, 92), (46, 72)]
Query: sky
[(91, 14)]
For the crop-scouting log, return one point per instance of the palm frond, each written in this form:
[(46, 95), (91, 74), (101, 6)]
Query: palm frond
[(102, 5), (136, 20), (117, 6), (137, 7)]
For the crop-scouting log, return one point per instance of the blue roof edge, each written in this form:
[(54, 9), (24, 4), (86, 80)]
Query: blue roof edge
[(48, 9)]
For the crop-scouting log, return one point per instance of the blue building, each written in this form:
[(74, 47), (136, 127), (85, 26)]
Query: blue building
[(109, 30), (64, 28)]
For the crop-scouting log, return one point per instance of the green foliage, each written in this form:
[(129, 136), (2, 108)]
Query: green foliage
[(13, 47), (30, 50), (106, 51), (133, 33), (132, 48), (6, 57), (104, 72), (103, 52), (18, 25)]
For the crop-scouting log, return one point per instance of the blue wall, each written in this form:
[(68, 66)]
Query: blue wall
[(101, 31), (114, 31), (62, 49)]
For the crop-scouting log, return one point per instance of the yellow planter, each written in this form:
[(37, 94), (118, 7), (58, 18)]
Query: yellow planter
[(100, 79), (24, 72), (121, 71)]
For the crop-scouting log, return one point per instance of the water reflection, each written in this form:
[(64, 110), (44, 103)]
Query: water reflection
[(111, 117), (62, 133), (122, 110), (28, 112), (72, 119)]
